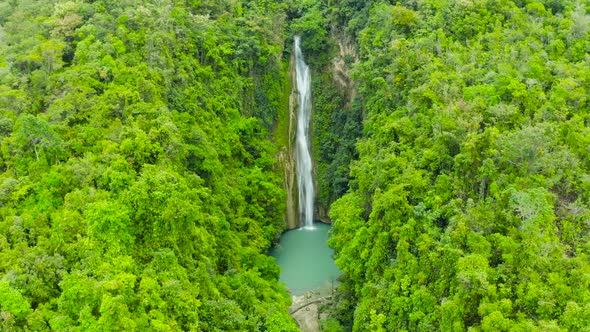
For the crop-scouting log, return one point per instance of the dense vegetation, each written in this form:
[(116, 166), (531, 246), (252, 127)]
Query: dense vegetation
[(138, 187), (469, 204)]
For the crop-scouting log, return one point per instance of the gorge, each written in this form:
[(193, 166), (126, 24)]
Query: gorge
[(306, 261), (159, 157)]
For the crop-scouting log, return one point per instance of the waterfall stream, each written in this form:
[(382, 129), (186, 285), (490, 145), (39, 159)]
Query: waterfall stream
[(302, 155), (306, 261)]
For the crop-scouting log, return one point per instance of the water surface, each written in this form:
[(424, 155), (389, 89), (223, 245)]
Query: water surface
[(306, 260)]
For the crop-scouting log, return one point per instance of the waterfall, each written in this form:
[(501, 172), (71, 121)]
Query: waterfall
[(302, 155)]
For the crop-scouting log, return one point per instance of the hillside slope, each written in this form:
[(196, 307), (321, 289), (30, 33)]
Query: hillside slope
[(469, 202), (138, 188)]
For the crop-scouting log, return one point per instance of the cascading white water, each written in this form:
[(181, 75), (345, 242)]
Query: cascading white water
[(302, 155)]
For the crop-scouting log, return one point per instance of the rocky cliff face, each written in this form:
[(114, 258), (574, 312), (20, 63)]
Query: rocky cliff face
[(339, 67), (337, 125), (336, 77), (286, 153)]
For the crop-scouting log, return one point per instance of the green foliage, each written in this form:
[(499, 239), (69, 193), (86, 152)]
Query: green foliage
[(468, 201), (337, 125), (35, 135), (138, 184), (13, 304), (313, 27)]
